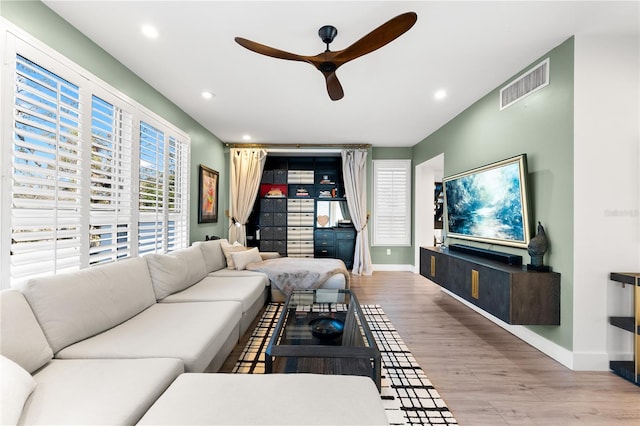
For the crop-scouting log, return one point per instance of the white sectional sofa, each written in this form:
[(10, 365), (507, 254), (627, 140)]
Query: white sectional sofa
[(101, 345), (71, 391)]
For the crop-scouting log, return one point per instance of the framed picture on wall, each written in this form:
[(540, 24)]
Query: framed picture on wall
[(207, 195)]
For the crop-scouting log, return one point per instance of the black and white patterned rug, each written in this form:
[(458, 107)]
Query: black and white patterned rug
[(407, 394)]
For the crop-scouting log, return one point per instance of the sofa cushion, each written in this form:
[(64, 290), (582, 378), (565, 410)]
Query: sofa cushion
[(244, 273), (73, 306), (227, 249), (213, 256), (23, 340), (175, 271), (222, 399), (192, 332), (246, 290), (98, 392), (15, 387), (242, 258)]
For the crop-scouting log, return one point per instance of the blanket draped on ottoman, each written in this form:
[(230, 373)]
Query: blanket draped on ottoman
[(293, 273)]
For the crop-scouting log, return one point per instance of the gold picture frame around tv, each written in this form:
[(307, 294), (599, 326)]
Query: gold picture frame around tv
[(489, 204)]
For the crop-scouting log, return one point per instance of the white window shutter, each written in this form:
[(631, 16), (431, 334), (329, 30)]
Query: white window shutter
[(151, 229), (392, 202), (178, 194), (163, 223), (111, 182), (46, 173)]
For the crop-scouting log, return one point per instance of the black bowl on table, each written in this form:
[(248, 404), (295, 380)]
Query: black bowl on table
[(326, 327)]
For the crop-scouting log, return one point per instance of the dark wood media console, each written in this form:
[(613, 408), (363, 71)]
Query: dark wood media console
[(510, 293)]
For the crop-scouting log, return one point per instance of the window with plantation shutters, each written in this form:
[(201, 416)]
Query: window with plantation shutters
[(163, 223), (177, 199), (392, 202), (151, 230), (111, 212), (88, 175), (46, 176)]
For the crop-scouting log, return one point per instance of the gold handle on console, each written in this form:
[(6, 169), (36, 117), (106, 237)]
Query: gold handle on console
[(475, 284), (433, 266)]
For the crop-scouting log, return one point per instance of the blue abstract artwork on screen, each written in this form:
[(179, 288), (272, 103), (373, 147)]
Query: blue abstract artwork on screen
[(487, 204)]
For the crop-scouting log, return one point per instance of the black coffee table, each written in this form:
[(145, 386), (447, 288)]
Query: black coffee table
[(308, 337)]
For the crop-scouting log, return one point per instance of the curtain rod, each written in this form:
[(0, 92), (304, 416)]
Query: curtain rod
[(297, 145)]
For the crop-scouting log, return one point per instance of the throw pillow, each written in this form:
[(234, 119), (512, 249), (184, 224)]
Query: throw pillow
[(227, 249), (242, 258), (15, 387)]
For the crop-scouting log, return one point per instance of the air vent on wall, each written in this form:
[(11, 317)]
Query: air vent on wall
[(533, 80)]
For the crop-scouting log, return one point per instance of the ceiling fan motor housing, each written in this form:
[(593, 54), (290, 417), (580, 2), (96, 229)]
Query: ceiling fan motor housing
[(327, 34), (327, 67)]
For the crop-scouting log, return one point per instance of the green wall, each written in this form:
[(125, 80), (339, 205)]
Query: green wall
[(38, 20), (541, 126)]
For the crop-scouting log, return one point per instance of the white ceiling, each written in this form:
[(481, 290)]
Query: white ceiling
[(467, 48)]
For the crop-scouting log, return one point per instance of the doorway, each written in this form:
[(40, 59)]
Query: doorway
[(427, 174)]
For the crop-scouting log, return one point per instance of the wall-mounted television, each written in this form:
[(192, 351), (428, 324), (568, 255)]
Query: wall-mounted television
[(489, 204)]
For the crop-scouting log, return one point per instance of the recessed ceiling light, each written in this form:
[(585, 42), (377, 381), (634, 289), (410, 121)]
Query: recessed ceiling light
[(440, 94), (207, 95), (150, 31), (246, 137)]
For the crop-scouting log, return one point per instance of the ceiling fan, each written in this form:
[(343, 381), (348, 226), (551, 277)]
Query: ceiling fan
[(328, 62)]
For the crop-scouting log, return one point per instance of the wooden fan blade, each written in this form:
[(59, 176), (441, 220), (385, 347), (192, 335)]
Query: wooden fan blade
[(327, 62), (269, 51), (377, 38), (334, 88)]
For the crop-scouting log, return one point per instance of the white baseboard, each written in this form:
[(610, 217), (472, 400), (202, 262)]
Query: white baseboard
[(393, 267), (622, 356), (592, 361)]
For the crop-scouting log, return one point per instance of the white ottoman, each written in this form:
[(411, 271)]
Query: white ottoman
[(268, 399)]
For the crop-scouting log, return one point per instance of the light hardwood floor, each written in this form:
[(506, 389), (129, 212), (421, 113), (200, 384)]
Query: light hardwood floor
[(486, 375)]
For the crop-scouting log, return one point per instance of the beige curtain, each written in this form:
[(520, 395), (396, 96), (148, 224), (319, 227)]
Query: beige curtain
[(354, 171), (246, 172)]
